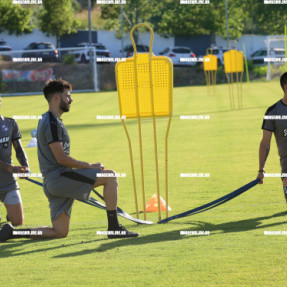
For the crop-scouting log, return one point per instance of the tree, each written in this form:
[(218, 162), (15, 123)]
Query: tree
[(57, 18), (265, 19), (169, 17), (14, 18), (135, 12)]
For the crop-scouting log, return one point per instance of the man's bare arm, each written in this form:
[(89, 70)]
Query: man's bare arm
[(20, 153), (263, 152), (66, 160), (11, 168), (6, 166)]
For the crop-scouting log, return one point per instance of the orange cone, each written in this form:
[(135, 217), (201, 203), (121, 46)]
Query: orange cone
[(152, 205)]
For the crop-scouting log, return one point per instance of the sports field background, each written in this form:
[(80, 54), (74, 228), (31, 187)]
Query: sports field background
[(236, 253)]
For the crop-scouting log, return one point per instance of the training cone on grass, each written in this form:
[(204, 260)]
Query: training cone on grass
[(152, 205)]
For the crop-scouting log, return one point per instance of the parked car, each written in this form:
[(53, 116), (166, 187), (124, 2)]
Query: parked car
[(179, 54), (6, 56), (218, 52), (129, 50), (83, 56), (48, 56), (258, 56)]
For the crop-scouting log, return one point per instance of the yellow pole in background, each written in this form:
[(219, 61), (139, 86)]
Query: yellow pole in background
[(139, 121), (133, 168)]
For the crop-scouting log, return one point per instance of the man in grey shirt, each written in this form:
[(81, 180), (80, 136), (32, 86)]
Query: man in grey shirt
[(275, 121), (65, 178), (9, 188)]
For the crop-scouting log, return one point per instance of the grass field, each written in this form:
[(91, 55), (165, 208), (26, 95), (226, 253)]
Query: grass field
[(236, 253)]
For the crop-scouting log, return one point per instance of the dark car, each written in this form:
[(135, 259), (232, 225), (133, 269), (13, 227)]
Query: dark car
[(129, 50), (4, 51), (47, 56)]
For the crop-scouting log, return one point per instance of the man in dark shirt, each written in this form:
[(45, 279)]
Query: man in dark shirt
[(65, 178), (275, 121), (9, 188)]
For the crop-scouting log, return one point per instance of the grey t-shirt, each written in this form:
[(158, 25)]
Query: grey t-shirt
[(50, 129), (9, 132), (277, 123)]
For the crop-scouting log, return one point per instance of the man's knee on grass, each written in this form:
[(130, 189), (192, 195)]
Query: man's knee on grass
[(61, 233), (17, 222), (15, 214), (61, 225)]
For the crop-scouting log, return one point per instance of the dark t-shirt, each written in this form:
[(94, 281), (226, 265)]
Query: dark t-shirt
[(50, 129), (9, 132), (275, 120)]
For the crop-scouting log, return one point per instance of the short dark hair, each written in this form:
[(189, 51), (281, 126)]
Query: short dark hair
[(55, 86), (283, 80)]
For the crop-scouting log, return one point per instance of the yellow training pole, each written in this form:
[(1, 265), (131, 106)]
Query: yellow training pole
[(238, 90), (154, 135), (228, 83), (132, 165), (166, 165), (207, 81), (133, 76), (142, 166), (214, 83), (241, 76), (139, 127), (156, 167), (232, 92)]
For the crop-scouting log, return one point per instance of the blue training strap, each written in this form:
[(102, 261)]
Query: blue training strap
[(214, 203), (98, 204), (34, 181)]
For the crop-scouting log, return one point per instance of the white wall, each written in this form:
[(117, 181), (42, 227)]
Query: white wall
[(113, 44), (22, 41)]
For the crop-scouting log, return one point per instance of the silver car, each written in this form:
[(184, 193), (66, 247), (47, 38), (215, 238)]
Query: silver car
[(180, 56)]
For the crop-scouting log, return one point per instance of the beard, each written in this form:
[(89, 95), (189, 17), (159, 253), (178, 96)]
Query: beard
[(64, 107)]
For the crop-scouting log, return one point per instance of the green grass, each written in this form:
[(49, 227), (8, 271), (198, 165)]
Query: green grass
[(236, 253)]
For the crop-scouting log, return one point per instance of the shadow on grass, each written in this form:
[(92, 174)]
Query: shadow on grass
[(241, 225), (13, 248), (229, 227), (141, 240)]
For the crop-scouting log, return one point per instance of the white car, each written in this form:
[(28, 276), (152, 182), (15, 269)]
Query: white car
[(218, 52), (83, 56), (182, 56), (260, 56)]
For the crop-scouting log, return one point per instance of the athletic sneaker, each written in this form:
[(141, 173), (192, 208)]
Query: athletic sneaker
[(6, 232), (121, 232)]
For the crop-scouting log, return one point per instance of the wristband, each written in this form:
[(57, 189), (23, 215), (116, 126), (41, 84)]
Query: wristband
[(261, 170)]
